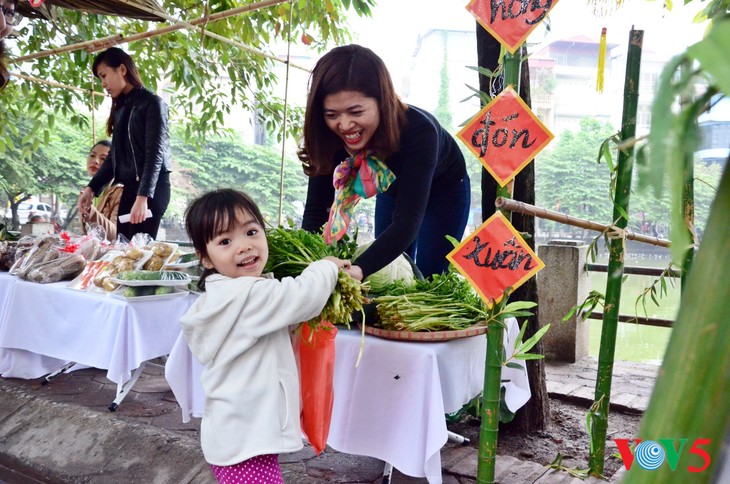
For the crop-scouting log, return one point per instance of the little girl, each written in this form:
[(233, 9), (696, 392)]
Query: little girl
[(239, 328)]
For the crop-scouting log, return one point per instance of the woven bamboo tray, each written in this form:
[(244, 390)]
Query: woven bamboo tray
[(425, 336)]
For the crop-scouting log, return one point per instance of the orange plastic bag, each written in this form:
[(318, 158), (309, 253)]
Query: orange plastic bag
[(317, 369)]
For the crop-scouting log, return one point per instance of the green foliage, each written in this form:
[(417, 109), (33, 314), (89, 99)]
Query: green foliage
[(657, 290), (226, 162), (29, 166), (572, 163), (204, 77), (674, 133)]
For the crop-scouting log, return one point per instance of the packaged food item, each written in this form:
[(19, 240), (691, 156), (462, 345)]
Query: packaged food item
[(155, 278), (44, 249), (65, 266), (85, 280), (8, 249)]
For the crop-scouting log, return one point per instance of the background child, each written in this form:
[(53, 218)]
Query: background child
[(239, 329)]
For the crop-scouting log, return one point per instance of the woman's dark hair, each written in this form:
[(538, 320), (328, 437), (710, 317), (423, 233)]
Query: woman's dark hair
[(349, 68), (103, 142), (213, 213), (4, 73), (114, 57)]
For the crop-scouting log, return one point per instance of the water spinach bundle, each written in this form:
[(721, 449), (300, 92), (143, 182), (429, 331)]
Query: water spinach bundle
[(292, 250), (440, 303)]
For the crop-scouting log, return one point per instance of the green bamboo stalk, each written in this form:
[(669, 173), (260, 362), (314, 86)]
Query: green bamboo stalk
[(490, 405), (688, 203), (690, 397), (495, 336), (599, 416)]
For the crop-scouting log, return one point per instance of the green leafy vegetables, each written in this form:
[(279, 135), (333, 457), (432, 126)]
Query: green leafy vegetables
[(439, 303), (292, 250)]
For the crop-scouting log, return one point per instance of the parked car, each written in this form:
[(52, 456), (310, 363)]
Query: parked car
[(29, 208)]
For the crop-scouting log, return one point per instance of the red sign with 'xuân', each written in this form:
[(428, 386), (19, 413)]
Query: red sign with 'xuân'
[(494, 258)]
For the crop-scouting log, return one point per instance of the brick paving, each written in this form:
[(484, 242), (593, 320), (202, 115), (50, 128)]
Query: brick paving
[(151, 403)]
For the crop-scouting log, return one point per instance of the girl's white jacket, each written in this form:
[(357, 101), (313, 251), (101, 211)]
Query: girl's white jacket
[(239, 329)]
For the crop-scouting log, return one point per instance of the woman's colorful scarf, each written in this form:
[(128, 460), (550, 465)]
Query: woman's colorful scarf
[(359, 176)]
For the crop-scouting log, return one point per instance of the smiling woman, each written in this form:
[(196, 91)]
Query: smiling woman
[(396, 152)]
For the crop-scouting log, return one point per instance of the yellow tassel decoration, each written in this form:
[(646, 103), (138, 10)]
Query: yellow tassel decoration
[(601, 61)]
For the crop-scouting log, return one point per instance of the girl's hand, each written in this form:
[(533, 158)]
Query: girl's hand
[(341, 263), (355, 272), (84, 203), (139, 209)]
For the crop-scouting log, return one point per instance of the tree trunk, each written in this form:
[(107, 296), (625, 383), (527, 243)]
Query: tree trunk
[(535, 415)]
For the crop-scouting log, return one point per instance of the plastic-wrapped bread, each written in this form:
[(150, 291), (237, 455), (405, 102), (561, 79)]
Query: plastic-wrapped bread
[(66, 266)]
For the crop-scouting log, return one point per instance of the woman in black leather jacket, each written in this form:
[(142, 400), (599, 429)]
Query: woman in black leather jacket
[(140, 152)]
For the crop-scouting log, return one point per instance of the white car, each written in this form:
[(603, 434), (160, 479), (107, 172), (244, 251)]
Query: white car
[(29, 208)]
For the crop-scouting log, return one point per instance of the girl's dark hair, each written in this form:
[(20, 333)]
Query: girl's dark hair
[(114, 57), (213, 213), (103, 142), (349, 68)]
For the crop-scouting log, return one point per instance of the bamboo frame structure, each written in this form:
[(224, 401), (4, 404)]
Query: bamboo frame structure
[(527, 209), (105, 42), (206, 19), (286, 110), (54, 83)]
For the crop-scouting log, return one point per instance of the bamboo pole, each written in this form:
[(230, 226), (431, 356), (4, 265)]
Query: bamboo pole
[(54, 83), (690, 396), (286, 106), (105, 42), (509, 205), (489, 428), (688, 204), (600, 408), (218, 37)]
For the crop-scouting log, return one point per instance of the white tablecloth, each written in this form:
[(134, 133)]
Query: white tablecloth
[(43, 326), (392, 405)]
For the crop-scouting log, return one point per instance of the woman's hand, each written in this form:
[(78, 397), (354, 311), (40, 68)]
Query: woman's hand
[(139, 210), (84, 203), (340, 263), (355, 272)]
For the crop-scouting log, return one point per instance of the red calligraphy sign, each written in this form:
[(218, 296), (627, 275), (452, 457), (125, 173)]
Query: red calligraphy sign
[(505, 135), (510, 21), (494, 258)]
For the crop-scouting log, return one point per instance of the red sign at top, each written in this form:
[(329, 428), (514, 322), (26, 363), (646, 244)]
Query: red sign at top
[(510, 21), (494, 258), (505, 135)]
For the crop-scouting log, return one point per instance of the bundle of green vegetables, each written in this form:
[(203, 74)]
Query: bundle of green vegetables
[(292, 250), (439, 303)]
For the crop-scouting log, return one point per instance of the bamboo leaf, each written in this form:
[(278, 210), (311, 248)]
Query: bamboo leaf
[(513, 365), (518, 305), (712, 53), (529, 356), (533, 340)]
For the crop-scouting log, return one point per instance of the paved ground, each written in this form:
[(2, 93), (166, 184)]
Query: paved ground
[(63, 433)]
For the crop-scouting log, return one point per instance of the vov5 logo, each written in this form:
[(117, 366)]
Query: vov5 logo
[(650, 454)]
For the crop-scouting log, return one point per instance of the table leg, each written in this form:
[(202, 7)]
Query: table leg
[(47, 379), (459, 439), (387, 473), (123, 388)]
